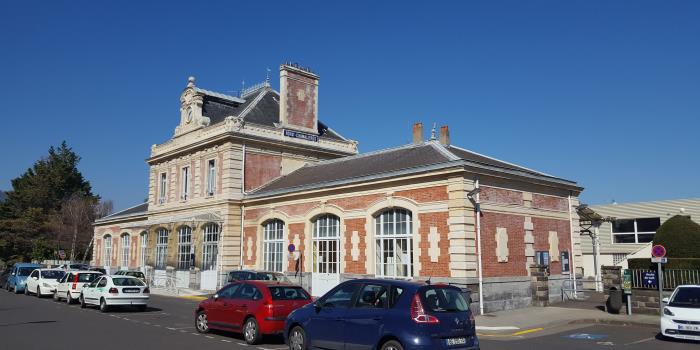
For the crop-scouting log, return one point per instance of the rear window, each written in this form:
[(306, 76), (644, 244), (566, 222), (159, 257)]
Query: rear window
[(437, 299), (134, 274), (288, 293), (127, 282), (87, 277)]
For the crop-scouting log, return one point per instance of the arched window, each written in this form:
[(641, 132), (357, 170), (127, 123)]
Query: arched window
[(126, 248), (161, 248), (326, 234), (273, 243), (184, 247), (394, 243), (210, 247), (144, 248), (107, 253)]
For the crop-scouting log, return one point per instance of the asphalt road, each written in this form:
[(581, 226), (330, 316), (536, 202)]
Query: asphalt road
[(32, 323)]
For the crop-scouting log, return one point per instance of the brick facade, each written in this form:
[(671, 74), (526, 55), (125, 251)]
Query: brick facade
[(261, 169), (355, 266), (501, 196), (514, 225), (549, 202), (441, 268), (425, 195)]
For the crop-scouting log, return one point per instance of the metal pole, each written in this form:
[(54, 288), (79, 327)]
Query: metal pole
[(629, 304), (659, 276)]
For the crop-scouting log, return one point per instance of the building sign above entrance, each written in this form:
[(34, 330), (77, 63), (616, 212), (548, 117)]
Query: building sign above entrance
[(300, 135)]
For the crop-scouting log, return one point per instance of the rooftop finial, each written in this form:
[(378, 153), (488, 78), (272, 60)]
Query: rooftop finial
[(267, 76), (433, 136), (190, 81)]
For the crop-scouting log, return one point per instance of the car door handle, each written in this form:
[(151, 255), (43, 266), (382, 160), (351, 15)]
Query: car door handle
[(377, 318)]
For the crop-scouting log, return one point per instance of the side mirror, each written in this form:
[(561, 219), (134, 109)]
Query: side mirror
[(216, 297), (14, 274), (666, 300), (317, 305)]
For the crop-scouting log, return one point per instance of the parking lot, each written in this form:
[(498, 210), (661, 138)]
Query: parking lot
[(31, 323)]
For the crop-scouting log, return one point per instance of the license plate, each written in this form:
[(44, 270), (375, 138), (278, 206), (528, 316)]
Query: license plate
[(131, 290), (456, 341), (688, 328)]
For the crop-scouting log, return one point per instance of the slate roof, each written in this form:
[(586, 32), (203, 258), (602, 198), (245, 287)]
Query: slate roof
[(132, 211), (259, 107), (407, 159)]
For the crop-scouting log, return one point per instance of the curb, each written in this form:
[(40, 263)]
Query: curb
[(193, 297), (614, 322)]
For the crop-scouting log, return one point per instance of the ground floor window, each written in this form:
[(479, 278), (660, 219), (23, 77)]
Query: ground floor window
[(144, 248), (394, 243), (107, 252), (161, 248), (184, 247), (542, 258), (210, 248), (565, 262), (326, 234), (273, 245), (126, 249)]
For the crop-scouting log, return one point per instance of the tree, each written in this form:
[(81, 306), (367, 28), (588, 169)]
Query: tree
[(73, 222), (680, 236)]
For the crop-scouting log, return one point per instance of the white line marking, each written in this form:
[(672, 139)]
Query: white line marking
[(209, 336), (194, 333), (497, 328), (225, 341), (172, 329), (640, 341)]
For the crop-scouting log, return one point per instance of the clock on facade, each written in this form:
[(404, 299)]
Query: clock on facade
[(189, 115)]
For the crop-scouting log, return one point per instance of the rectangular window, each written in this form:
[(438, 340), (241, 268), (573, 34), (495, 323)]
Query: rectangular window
[(211, 177), (163, 187), (108, 251), (144, 248), (565, 263), (640, 230), (126, 248), (161, 248), (618, 258), (542, 258), (185, 183), (273, 246)]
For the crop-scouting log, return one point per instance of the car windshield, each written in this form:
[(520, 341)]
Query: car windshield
[(25, 271), (686, 297), (134, 274), (288, 293), (87, 277), (52, 274), (441, 299), (127, 282), (269, 276)]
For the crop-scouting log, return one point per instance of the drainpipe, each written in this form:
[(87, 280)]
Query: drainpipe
[(572, 272), (240, 264), (477, 207), (596, 260)]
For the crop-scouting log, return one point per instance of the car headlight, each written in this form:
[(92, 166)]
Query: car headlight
[(46, 285), (668, 312)]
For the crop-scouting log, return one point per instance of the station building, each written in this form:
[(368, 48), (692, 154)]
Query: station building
[(258, 181)]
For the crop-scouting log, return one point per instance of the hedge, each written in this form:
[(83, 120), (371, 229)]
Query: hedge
[(673, 264), (681, 237)]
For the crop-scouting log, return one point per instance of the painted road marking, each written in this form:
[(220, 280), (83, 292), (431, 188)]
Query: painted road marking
[(640, 341), (194, 297), (533, 330), (225, 340), (586, 336), (499, 328)]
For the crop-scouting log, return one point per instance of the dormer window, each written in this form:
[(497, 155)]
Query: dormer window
[(185, 183), (211, 177)]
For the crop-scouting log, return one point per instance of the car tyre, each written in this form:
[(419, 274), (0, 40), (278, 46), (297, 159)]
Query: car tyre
[(38, 292), (392, 345), (103, 305), (251, 331), (55, 296), (297, 339), (69, 299), (26, 290), (82, 302), (201, 322), (14, 289)]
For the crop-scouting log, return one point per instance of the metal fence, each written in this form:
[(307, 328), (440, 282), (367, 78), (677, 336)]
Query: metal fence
[(671, 278)]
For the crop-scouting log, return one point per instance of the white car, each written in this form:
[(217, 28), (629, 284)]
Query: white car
[(42, 282), (108, 291), (71, 284), (681, 318)]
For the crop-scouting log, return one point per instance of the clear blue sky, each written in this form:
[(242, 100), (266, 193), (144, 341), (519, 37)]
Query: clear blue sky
[(606, 93)]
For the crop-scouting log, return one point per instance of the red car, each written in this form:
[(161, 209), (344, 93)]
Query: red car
[(253, 308)]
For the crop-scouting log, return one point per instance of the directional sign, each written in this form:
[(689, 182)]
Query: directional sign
[(291, 248), (658, 251), (649, 279)]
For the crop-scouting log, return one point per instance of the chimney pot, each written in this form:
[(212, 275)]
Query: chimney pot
[(417, 133), (444, 135)]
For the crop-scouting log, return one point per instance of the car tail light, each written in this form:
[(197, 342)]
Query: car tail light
[(146, 290), (113, 291), (75, 282), (418, 313)]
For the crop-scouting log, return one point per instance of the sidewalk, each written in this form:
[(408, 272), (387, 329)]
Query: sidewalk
[(535, 319), (184, 293)]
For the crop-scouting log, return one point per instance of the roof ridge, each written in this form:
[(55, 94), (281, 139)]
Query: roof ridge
[(442, 149), (123, 210), (219, 95), (646, 202), (503, 161), (362, 155), (253, 103)]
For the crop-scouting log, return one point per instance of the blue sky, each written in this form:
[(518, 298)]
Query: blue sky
[(606, 93)]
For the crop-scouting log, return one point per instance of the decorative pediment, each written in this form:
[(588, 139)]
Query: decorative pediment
[(191, 117)]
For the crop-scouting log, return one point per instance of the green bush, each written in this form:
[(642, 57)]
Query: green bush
[(681, 237), (673, 264)]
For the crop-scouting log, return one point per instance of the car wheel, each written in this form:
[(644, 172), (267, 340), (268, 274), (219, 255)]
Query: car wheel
[(82, 302), (26, 290), (297, 339), (69, 299), (103, 305), (38, 292), (392, 345), (251, 331), (201, 322), (55, 296), (14, 289)]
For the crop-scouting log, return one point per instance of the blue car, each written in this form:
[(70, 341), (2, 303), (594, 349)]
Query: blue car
[(17, 280), (384, 315)]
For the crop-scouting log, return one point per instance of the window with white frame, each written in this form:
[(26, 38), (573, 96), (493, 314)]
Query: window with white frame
[(185, 183), (184, 247), (394, 243), (107, 253), (210, 247), (326, 235), (640, 230), (273, 245), (161, 248), (163, 187), (144, 248), (618, 258), (565, 262), (211, 177), (126, 249)]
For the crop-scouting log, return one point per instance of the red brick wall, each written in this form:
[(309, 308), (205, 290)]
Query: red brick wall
[(357, 202), (301, 112), (549, 202), (295, 229), (514, 224), (442, 267), (501, 196), (254, 214), (541, 232), (428, 194), (261, 169), (251, 232), (358, 266), (98, 252), (296, 209)]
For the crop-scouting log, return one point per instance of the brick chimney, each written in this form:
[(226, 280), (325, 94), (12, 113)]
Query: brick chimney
[(298, 98), (444, 135), (417, 133)]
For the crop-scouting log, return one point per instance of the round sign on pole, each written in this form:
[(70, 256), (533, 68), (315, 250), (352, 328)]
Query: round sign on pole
[(291, 248), (658, 251)]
